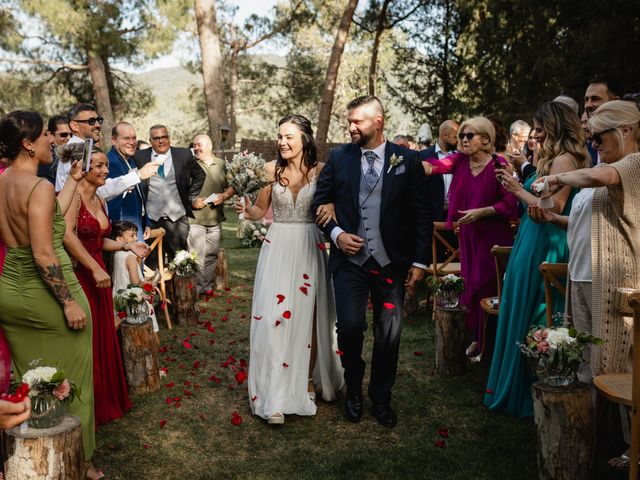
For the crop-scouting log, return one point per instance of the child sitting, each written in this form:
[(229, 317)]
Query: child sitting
[(125, 267)]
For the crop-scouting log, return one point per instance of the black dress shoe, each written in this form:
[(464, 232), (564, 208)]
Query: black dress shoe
[(385, 415), (353, 408)]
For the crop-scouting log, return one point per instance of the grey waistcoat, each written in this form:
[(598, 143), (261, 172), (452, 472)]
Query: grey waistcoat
[(164, 198), (369, 228)]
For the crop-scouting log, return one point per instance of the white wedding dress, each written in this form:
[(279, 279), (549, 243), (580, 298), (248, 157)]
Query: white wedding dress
[(290, 280)]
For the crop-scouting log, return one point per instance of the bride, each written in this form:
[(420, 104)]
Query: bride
[(293, 340)]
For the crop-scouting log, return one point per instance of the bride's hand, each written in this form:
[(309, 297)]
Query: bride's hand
[(325, 214), (243, 207)]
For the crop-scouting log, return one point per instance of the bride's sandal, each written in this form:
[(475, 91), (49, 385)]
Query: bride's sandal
[(276, 419)]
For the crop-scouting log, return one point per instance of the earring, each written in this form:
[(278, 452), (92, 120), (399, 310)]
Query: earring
[(32, 152)]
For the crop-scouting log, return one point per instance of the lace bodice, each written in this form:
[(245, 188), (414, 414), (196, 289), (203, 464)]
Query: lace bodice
[(286, 210)]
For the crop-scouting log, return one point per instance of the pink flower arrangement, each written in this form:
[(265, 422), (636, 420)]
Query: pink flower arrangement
[(63, 390)]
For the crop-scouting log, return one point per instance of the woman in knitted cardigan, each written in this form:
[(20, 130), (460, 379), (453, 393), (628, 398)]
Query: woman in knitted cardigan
[(615, 238)]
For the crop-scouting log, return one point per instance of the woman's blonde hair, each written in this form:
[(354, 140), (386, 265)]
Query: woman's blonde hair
[(563, 134), (615, 114), (481, 126)]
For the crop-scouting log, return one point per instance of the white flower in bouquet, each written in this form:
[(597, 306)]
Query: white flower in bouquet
[(558, 337), (38, 375), (185, 263)]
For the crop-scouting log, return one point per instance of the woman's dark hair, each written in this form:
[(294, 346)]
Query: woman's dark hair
[(117, 228), (15, 127), (309, 152), (502, 138)]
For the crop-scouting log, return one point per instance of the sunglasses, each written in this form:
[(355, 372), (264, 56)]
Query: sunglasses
[(157, 139), (64, 134), (468, 135), (91, 121), (597, 137)]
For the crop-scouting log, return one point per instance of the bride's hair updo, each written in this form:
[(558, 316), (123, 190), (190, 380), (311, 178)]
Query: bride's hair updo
[(309, 152), (15, 127)]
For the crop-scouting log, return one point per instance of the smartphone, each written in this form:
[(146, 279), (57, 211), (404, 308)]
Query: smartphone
[(496, 162), (86, 154)]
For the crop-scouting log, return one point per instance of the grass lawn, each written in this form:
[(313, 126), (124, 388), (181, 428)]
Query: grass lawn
[(200, 393)]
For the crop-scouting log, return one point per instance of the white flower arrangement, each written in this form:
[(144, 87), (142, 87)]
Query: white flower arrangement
[(185, 263), (50, 381), (254, 234), (133, 301)]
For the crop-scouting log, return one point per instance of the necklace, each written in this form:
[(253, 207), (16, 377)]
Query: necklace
[(479, 165)]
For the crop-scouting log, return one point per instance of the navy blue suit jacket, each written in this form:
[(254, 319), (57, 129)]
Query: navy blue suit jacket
[(129, 205), (406, 220)]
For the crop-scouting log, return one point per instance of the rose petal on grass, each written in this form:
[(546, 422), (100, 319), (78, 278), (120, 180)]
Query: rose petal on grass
[(186, 344), (443, 432), (418, 353), (190, 286), (170, 385), (214, 378), (440, 443), (241, 376), (224, 318), (162, 423), (146, 446), (196, 364), (163, 349), (236, 419)]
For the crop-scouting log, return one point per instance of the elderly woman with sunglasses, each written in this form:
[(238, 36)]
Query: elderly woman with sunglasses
[(483, 208), (603, 235)]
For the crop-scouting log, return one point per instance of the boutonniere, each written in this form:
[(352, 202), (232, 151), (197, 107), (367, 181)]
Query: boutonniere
[(395, 161)]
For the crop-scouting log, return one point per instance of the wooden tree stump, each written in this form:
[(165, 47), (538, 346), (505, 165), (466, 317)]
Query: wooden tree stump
[(565, 431), (140, 352), (45, 454), (450, 351), (185, 300)]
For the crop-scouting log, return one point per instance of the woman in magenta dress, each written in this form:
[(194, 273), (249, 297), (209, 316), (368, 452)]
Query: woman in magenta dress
[(483, 209), (86, 237)]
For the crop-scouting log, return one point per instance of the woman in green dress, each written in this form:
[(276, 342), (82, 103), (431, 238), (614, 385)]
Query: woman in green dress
[(563, 149), (43, 310)]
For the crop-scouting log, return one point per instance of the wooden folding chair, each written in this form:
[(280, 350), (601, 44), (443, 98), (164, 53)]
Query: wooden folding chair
[(624, 388), (451, 263), (166, 276), (555, 275), (491, 305)]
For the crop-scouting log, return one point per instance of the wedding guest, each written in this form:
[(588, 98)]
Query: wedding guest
[(86, 237), (59, 134), (43, 309), (293, 340), (170, 195), (205, 228), (518, 136), (604, 230), (599, 91), (125, 267), (401, 140), (562, 149), (568, 101), (483, 208)]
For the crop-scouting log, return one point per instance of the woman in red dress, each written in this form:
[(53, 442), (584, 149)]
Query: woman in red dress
[(86, 237)]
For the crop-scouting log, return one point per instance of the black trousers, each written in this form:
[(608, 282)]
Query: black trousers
[(175, 239), (353, 284)]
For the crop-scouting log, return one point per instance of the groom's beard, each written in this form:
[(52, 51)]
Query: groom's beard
[(361, 138)]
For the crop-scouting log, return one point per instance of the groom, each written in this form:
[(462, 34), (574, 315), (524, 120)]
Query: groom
[(381, 240)]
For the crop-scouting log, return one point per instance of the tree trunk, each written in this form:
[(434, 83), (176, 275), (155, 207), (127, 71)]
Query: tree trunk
[(98, 74), (48, 453), (211, 66), (446, 87), (450, 355), (376, 46), (326, 103), (185, 300), (140, 352), (233, 97), (565, 431)]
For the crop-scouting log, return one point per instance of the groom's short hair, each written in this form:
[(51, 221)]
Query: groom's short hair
[(366, 100)]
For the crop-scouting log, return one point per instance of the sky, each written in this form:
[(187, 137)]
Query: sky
[(245, 9)]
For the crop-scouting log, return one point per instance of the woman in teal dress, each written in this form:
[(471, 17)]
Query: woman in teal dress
[(562, 149), (43, 310)]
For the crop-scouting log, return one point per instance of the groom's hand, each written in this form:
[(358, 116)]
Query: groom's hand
[(415, 275), (349, 243)]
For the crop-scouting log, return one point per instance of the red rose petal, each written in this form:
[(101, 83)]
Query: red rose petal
[(122, 315), (241, 376), (186, 344), (280, 298), (305, 276), (257, 318), (162, 423), (339, 352), (285, 365), (224, 318), (287, 314), (439, 443), (308, 345), (190, 286), (169, 400), (211, 329), (253, 399), (147, 287), (418, 353), (227, 289), (307, 284), (389, 306), (236, 419), (321, 246), (304, 290), (170, 385), (188, 393), (243, 363), (389, 280), (146, 446), (374, 272), (489, 391), (215, 379), (443, 432), (278, 322), (163, 349)]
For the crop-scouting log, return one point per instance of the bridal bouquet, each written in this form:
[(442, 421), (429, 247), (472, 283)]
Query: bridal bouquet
[(555, 353), (245, 173), (185, 263), (132, 303)]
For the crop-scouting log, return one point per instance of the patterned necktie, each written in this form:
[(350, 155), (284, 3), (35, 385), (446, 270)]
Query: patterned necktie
[(371, 176)]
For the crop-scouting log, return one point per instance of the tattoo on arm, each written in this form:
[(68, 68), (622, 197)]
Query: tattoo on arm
[(53, 277)]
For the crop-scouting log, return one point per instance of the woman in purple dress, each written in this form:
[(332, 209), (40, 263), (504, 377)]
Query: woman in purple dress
[(483, 209)]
